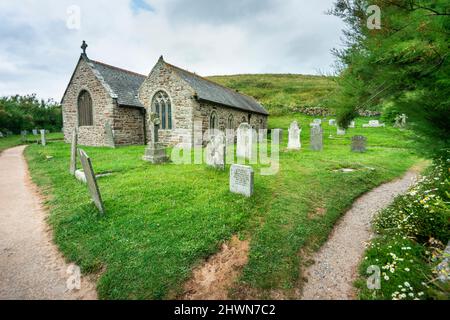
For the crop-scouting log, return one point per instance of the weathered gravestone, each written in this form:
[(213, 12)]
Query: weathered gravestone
[(109, 135), (316, 139), (155, 151), (359, 144), (73, 152), (332, 122), (294, 142), (91, 181), (246, 140), (43, 138), (241, 180), (352, 124), (1, 135), (400, 121), (23, 136), (35, 132), (317, 121), (374, 124), (215, 152), (340, 132)]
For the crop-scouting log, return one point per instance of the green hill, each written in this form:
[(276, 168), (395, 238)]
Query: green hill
[(282, 93)]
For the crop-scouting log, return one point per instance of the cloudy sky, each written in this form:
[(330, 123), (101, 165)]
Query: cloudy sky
[(40, 40)]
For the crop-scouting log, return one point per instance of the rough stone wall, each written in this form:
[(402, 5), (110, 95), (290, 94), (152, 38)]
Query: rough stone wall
[(128, 126), (203, 111), (163, 77), (102, 105)]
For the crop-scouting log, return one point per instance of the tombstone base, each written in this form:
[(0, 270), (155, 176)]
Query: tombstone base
[(155, 154)]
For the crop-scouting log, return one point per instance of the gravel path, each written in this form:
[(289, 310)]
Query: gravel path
[(30, 265), (336, 264)]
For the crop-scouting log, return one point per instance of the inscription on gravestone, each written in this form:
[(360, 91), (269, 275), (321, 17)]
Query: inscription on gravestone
[(241, 180), (294, 136), (316, 138), (91, 181), (359, 144)]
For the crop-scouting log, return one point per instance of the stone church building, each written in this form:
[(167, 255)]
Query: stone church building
[(100, 96)]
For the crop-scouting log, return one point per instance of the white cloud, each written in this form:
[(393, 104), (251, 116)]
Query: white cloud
[(38, 52)]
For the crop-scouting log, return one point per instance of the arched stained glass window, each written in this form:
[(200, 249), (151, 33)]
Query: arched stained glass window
[(162, 106), (85, 113)]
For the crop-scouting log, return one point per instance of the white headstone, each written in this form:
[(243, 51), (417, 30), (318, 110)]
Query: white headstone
[(215, 152), (43, 139), (374, 124), (340, 132), (246, 139), (352, 124), (35, 132), (294, 142), (317, 121), (332, 122), (241, 180)]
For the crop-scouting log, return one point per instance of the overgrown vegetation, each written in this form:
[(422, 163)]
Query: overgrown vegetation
[(162, 220), (282, 93), (19, 113), (403, 67), (413, 232)]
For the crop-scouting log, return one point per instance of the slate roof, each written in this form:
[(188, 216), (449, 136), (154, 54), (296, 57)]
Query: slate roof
[(123, 83), (213, 92)]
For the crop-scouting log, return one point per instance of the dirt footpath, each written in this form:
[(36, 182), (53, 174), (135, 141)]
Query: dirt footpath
[(30, 265), (335, 268)]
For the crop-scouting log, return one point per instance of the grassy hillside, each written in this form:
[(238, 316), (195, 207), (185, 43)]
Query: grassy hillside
[(282, 93)]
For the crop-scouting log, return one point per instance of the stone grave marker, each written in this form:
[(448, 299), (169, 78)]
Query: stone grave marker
[(109, 135), (340, 132), (246, 139), (332, 122), (374, 124), (294, 142), (23, 135), (352, 124), (241, 180), (316, 138), (215, 152), (317, 121), (1, 135), (91, 181), (155, 151), (359, 144), (35, 132), (43, 138), (73, 152), (400, 121)]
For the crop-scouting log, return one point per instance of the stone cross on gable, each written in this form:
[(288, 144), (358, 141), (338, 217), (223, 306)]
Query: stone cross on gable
[(84, 47), (154, 123)]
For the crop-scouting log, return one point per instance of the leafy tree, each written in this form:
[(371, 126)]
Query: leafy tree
[(27, 112), (403, 67)]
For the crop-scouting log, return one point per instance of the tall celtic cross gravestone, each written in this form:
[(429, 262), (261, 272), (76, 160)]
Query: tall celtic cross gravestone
[(215, 152), (43, 138), (73, 152), (91, 181), (294, 142), (359, 144), (155, 151), (316, 139)]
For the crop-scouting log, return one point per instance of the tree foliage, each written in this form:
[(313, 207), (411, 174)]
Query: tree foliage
[(403, 67), (27, 112)]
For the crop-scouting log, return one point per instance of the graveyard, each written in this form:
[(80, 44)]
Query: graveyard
[(162, 220)]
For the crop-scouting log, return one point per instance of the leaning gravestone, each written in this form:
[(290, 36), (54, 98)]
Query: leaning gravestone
[(91, 181), (246, 138), (215, 152), (43, 138), (316, 139), (241, 180), (73, 152), (359, 144), (294, 137), (109, 135)]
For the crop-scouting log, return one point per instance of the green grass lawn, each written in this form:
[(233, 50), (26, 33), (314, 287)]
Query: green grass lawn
[(162, 220), (16, 140), (282, 93)]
